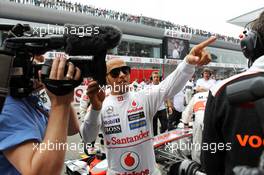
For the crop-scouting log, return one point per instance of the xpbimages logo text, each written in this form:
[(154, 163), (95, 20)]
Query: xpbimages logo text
[(80, 31), (59, 146), (129, 88), (186, 146)]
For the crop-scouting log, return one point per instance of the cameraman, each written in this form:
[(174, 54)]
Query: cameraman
[(235, 129), (27, 130)]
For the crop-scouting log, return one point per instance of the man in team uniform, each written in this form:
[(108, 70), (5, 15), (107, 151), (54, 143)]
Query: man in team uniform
[(236, 130), (125, 118)]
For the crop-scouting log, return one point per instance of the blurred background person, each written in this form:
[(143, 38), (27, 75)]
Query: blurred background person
[(189, 90), (193, 115), (205, 83), (177, 109), (161, 114)]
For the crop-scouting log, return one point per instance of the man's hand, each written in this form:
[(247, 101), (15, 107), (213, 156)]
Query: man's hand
[(198, 55), (96, 95), (57, 73), (201, 89)]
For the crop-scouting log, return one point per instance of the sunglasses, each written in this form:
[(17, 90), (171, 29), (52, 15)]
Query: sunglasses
[(116, 71)]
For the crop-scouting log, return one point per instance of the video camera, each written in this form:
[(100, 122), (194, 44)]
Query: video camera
[(87, 52)]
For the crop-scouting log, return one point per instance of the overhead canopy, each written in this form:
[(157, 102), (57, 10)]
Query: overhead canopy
[(244, 19)]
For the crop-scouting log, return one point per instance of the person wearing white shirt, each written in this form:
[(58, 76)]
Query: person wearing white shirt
[(178, 107), (205, 83), (194, 115), (189, 90), (161, 114)]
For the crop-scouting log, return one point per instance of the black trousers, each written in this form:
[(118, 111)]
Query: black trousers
[(174, 119), (162, 116)]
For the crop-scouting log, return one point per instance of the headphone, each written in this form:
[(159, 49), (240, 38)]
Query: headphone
[(249, 45)]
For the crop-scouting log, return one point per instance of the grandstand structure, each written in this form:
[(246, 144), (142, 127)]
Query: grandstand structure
[(144, 47)]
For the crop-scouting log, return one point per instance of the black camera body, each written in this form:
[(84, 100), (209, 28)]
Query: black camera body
[(87, 52)]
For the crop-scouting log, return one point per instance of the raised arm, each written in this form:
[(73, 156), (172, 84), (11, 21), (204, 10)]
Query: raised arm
[(178, 78), (92, 121)]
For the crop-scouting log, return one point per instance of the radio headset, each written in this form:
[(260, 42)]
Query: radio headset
[(251, 45)]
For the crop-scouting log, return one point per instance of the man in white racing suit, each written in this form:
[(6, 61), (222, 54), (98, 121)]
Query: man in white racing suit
[(125, 118), (196, 108)]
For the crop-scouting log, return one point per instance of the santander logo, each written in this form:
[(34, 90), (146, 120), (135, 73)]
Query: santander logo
[(129, 160)]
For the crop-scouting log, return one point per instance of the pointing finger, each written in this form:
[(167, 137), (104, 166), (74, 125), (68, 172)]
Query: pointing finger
[(204, 44)]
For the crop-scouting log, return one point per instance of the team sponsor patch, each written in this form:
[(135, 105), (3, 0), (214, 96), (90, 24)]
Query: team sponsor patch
[(129, 139), (110, 116), (109, 109), (134, 104), (137, 124), (129, 160), (111, 121), (136, 116), (112, 129), (135, 109), (120, 98)]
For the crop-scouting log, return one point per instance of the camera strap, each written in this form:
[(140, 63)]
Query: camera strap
[(61, 87)]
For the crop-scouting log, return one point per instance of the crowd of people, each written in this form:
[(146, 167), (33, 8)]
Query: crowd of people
[(115, 15), (170, 111)]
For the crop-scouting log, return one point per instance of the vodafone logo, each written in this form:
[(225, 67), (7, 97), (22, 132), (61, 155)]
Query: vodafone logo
[(134, 104), (129, 160), (135, 107)]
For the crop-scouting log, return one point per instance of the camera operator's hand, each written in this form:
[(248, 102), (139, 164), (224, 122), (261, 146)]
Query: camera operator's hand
[(57, 73), (96, 95), (198, 55)]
